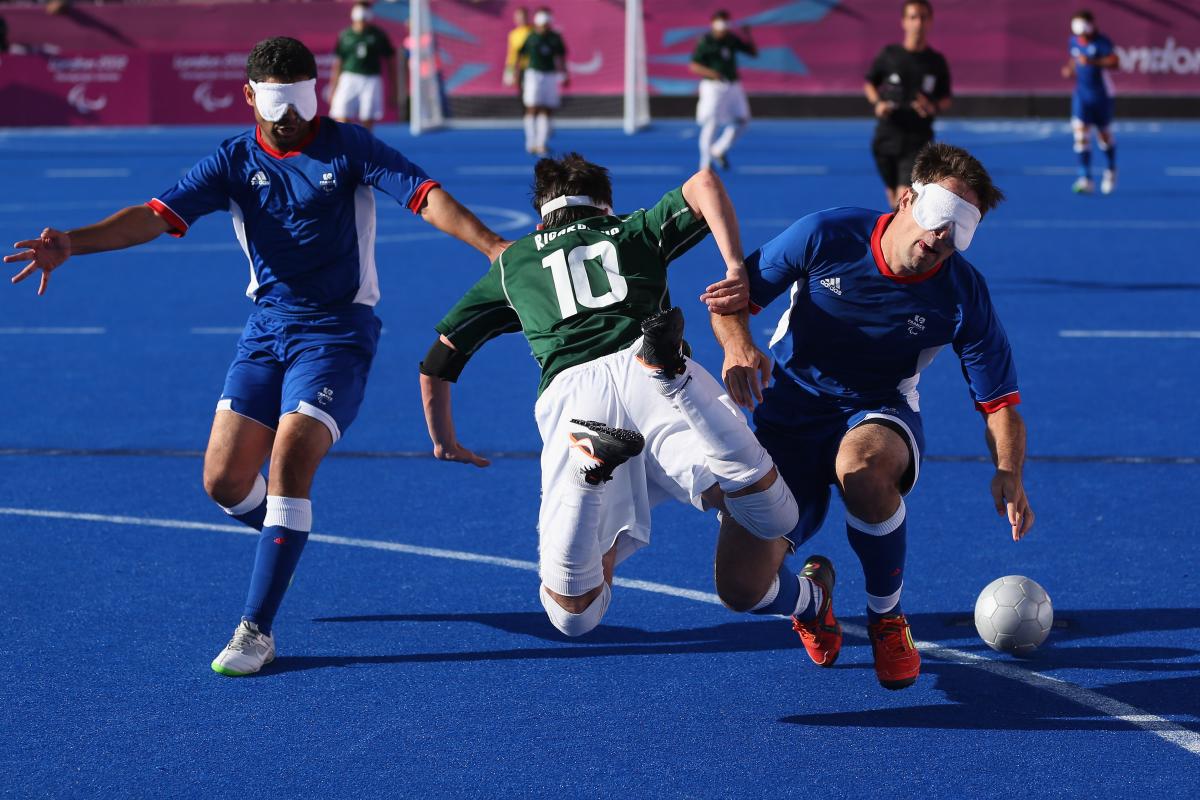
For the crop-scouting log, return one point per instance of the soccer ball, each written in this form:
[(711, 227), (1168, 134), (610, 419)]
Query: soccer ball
[(1013, 615)]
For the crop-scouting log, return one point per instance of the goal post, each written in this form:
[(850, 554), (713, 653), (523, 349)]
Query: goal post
[(456, 57)]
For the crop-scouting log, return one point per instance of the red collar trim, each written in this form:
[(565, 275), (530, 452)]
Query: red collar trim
[(881, 263), (312, 134)]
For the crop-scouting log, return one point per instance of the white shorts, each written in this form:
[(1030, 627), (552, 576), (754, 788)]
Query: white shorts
[(617, 391), (540, 89), (722, 102), (358, 98)]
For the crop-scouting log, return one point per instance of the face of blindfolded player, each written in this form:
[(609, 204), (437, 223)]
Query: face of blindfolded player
[(910, 249), (287, 132)]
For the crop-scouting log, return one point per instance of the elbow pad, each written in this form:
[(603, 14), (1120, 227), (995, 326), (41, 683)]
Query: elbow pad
[(443, 362)]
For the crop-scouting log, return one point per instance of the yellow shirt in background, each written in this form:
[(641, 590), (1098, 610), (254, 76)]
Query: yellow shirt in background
[(516, 40)]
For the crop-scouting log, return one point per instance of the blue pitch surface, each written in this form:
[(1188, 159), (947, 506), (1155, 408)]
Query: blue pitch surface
[(414, 657)]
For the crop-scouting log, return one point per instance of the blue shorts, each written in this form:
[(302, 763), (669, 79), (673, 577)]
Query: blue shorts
[(803, 439), (312, 364), (1097, 111)]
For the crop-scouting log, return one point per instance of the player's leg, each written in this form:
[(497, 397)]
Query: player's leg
[(370, 108), (237, 448), (876, 463), (887, 165), (706, 118), (737, 461), (529, 99), (1108, 145), (244, 425), (737, 114), (1081, 132), (343, 99), (588, 471)]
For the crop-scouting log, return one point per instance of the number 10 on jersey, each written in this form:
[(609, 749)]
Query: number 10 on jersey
[(571, 283)]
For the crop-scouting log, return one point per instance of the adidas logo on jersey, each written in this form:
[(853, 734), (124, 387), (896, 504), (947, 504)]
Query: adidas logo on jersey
[(833, 284), (259, 180)]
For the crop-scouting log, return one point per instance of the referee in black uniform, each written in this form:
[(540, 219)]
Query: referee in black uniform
[(908, 85)]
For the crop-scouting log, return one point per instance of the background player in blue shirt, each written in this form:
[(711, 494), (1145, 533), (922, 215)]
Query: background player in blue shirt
[(1092, 102), (873, 298), (300, 189)]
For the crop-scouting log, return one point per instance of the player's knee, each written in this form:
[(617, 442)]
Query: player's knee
[(736, 591), (226, 489), (870, 493), (768, 512), (581, 614)]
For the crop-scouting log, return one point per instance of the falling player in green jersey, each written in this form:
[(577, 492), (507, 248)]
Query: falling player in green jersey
[(589, 292)]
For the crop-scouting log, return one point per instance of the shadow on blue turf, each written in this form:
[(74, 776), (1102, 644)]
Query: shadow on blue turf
[(1040, 285), (607, 640), (981, 701)]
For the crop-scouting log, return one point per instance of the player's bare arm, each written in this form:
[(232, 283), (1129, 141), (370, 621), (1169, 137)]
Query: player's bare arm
[(446, 214), (704, 72), (126, 228), (439, 419), (746, 370), (706, 197), (1006, 440)]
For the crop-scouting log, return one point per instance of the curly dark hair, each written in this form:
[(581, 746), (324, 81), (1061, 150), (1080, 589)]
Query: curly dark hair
[(937, 161), (281, 57), (571, 174)]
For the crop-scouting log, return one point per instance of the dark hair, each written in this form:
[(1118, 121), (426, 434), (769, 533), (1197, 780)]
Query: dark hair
[(571, 174), (721, 14), (927, 5), (281, 57), (1083, 13), (938, 161)]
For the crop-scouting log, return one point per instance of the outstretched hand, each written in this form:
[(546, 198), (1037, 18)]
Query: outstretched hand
[(46, 253), (456, 452), (746, 372), (728, 296), (1009, 496)]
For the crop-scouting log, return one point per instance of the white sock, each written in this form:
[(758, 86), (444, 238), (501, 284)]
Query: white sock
[(542, 127), (729, 452), (530, 132), (707, 131), (728, 137)]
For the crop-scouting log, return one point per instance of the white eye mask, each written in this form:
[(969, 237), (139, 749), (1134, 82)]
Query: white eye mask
[(1080, 27), (361, 14), (574, 200), (541, 18), (720, 25), (272, 99), (936, 207)]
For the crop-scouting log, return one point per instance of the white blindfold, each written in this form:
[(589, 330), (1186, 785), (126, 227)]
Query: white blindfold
[(272, 99), (573, 200), (936, 207)]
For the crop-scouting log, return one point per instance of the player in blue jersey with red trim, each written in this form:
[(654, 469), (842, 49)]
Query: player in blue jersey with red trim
[(1092, 55), (300, 189), (873, 298)]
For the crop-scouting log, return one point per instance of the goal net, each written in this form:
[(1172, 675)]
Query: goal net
[(457, 53)]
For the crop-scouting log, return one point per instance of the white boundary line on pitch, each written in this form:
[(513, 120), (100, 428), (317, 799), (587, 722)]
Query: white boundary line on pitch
[(52, 331), (1161, 727), (1116, 334), (1183, 172), (99, 172)]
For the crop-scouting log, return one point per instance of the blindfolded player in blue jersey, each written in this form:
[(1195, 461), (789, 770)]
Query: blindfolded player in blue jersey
[(301, 191), (873, 298)]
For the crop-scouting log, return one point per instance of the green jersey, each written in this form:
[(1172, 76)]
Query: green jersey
[(542, 48), (720, 55), (361, 53), (581, 291)]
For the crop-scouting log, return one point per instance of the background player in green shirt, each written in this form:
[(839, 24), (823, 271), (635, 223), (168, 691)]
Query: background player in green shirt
[(589, 292), (722, 99), (356, 87), (545, 74)]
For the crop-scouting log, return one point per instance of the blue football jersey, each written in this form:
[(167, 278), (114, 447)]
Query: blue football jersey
[(856, 334), (306, 218), (1091, 82)]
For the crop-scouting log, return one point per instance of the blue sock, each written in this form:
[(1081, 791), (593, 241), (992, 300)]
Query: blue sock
[(1110, 153), (790, 595), (881, 549), (284, 534), (253, 510), (1085, 162)]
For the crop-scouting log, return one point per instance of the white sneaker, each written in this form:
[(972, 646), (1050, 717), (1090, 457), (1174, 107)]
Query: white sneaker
[(1108, 182), (247, 652), (1082, 185)]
